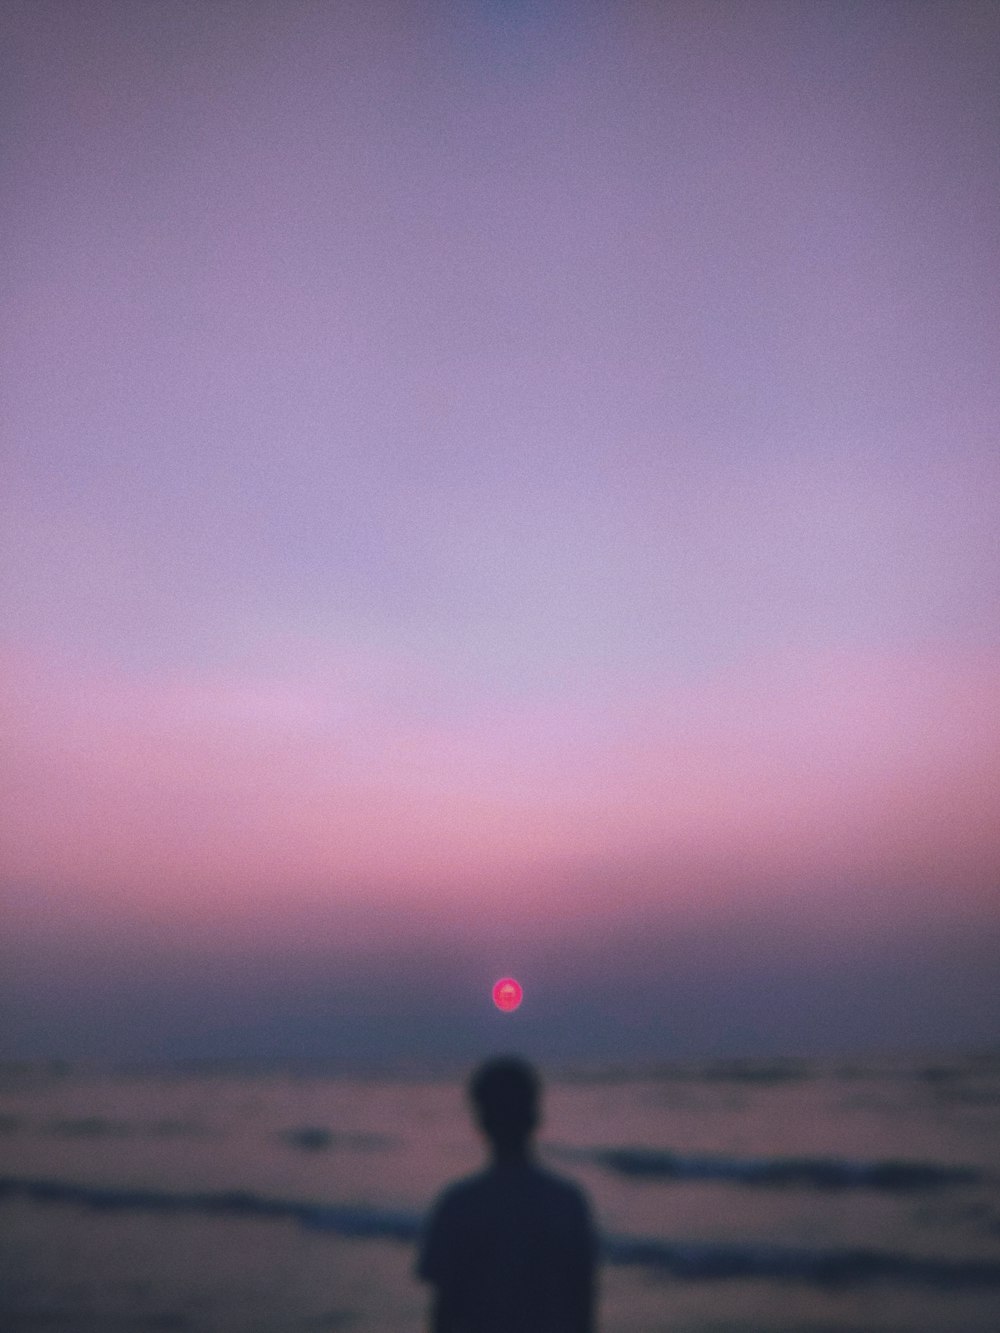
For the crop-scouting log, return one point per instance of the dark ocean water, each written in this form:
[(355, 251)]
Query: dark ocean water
[(755, 1195)]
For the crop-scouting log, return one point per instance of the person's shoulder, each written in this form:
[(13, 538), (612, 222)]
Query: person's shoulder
[(457, 1195), (564, 1192), (556, 1182), (447, 1222), (464, 1185)]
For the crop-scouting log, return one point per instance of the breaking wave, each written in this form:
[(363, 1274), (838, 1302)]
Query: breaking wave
[(827, 1268), (682, 1260), (359, 1221), (821, 1173)]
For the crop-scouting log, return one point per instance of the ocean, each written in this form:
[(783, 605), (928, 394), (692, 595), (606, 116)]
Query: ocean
[(827, 1195)]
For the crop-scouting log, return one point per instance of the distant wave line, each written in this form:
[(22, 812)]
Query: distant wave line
[(691, 1261), (822, 1173), (310, 1138), (637, 1163)]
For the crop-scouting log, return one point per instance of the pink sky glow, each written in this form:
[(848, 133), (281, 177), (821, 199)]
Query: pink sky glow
[(206, 797), (496, 480)]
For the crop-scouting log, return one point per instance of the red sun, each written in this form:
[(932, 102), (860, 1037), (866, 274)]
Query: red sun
[(507, 994)]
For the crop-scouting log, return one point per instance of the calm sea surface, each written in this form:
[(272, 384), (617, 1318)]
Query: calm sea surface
[(750, 1196)]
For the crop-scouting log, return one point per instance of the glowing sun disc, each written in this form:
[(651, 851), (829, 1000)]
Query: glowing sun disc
[(507, 994)]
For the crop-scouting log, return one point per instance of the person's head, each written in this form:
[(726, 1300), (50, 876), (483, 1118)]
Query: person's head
[(504, 1093)]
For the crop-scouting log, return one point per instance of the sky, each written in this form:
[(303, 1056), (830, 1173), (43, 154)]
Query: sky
[(499, 488)]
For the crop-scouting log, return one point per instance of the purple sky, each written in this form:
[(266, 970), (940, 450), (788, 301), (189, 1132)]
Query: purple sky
[(500, 488)]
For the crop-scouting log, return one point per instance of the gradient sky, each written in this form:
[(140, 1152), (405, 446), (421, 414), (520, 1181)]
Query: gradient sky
[(500, 488)]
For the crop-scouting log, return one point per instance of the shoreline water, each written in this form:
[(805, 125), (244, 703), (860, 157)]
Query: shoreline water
[(811, 1194)]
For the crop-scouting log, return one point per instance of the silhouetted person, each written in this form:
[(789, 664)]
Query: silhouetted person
[(510, 1250)]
